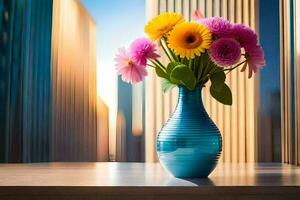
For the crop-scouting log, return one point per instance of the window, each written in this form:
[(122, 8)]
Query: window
[(62, 100)]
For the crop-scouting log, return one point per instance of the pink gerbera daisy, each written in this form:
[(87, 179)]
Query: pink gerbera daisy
[(130, 71), (255, 59), (142, 49)]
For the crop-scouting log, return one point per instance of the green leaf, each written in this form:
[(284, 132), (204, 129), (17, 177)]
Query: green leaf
[(161, 73), (218, 80), (169, 70), (222, 93), (185, 75), (171, 66), (218, 77), (167, 85)]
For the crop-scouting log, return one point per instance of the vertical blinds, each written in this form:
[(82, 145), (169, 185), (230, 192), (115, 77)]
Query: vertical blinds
[(297, 77), (237, 123), (290, 81)]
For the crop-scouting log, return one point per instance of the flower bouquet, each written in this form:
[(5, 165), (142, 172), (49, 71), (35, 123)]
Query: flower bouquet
[(202, 50), (206, 49)]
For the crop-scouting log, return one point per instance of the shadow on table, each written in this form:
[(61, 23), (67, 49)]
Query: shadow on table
[(201, 181), (190, 182)]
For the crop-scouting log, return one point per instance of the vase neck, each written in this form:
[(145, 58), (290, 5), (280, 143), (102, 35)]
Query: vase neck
[(187, 96)]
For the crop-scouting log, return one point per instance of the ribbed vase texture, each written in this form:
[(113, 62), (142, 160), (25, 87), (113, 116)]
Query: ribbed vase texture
[(189, 144)]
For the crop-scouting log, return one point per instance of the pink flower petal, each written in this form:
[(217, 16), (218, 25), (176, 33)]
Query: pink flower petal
[(130, 71), (142, 50), (256, 58), (197, 15), (225, 52)]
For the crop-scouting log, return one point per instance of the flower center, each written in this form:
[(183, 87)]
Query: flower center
[(192, 40), (130, 62)]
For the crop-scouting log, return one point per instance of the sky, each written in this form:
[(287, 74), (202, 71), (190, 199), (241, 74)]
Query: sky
[(118, 23)]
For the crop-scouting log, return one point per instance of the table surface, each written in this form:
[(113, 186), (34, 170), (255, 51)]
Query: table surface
[(141, 174)]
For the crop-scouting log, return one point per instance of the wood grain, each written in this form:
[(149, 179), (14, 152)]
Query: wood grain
[(145, 181)]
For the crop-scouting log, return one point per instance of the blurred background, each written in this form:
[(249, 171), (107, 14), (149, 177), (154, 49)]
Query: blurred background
[(61, 100)]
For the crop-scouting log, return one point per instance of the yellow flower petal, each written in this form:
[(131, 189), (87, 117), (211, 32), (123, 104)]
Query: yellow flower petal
[(161, 25), (189, 39)]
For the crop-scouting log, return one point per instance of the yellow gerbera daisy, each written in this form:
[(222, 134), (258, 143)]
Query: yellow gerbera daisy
[(161, 25), (189, 39)]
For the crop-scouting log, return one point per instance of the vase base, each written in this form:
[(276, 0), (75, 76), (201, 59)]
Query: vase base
[(188, 169), (191, 177)]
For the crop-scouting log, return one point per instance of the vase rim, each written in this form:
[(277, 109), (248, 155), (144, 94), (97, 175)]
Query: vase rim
[(197, 87)]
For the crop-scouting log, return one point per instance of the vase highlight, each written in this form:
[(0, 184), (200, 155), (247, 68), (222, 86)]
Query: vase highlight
[(189, 144)]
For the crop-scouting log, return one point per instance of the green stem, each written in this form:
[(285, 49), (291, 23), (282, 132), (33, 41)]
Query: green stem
[(215, 70), (196, 66), (230, 69), (151, 65), (205, 65), (190, 64), (179, 59), (209, 73), (166, 52), (209, 70), (159, 63), (175, 58), (203, 78), (200, 70), (185, 61), (156, 63)]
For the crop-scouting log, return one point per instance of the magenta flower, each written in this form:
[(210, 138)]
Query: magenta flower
[(255, 59), (244, 35), (142, 49), (225, 52), (219, 26), (130, 71)]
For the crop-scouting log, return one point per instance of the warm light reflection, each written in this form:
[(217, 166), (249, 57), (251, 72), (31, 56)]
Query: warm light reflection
[(137, 110), (113, 29), (107, 90)]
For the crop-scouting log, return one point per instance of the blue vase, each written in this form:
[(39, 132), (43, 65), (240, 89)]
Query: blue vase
[(189, 144)]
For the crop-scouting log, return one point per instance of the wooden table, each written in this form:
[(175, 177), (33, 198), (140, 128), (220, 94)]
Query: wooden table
[(141, 181)]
